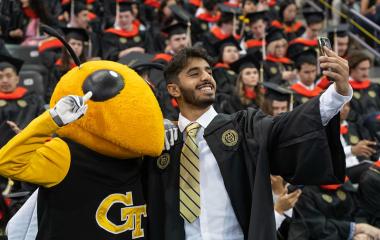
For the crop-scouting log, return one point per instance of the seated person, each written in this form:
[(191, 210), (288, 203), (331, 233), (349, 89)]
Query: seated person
[(224, 76), (248, 89), (369, 196), (287, 20), (277, 68), (305, 88), (125, 37), (328, 212), (17, 104), (277, 99)]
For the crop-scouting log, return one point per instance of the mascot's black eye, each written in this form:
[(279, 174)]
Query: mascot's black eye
[(104, 84)]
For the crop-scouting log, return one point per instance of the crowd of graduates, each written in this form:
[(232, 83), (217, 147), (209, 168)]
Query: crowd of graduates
[(266, 56)]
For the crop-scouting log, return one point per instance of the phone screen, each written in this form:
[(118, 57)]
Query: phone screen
[(323, 41)]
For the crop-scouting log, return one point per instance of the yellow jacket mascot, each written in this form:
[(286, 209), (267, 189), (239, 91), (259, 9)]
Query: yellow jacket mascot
[(105, 118)]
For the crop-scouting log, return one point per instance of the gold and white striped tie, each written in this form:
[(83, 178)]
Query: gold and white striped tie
[(189, 189)]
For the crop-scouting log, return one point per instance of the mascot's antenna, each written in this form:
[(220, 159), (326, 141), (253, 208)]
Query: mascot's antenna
[(54, 33)]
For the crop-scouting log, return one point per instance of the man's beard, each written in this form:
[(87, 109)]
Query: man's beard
[(189, 97)]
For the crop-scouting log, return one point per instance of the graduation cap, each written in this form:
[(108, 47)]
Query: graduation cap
[(308, 55), (174, 29), (296, 50), (247, 61), (313, 16), (278, 93), (340, 31), (230, 41), (75, 33), (274, 34), (228, 13), (125, 6), (135, 58), (74, 7), (256, 16), (10, 62)]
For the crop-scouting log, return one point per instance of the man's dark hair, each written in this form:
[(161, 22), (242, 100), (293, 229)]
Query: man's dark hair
[(311, 60), (356, 57), (181, 60)]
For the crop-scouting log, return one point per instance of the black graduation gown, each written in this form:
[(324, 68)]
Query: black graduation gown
[(366, 100), (112, 43), (21, 110), (225, 79), (273, 71), (310, 155), (291, 30), (369, 197), (229, 104), (323, 214)]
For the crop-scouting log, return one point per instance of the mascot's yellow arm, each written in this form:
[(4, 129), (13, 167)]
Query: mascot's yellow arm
[(30, 157)]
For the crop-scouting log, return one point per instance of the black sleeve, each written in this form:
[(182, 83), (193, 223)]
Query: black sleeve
[(302, 150), (310, 221), (110, 47)]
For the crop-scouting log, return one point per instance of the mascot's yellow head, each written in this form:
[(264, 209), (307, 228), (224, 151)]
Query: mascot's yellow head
[(123, 119)]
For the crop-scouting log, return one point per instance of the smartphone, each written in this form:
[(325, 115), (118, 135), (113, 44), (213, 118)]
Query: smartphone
[(292, 188), (324, 42)]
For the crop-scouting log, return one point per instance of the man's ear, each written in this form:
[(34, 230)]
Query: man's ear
[(173, 90)]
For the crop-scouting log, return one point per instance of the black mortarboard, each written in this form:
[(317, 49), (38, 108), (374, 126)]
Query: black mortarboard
[(294, 50), (10, 62), (75, 33), (134, 58), (276, 92), (249, 60), (273, 35), (255, 16), (309, 55), (78, 6), (180, 13), (230, 41), (313, 16), (178, 28), (341, 31), (228, 13), (125, 6)]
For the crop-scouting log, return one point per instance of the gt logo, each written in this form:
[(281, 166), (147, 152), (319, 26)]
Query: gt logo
[(131, 215)]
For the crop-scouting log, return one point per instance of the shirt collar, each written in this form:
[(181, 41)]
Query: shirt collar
[(311, 87), (203, 120)]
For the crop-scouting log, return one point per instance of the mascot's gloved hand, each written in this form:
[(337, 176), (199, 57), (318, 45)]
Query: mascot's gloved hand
[(69, 108), (171, 133)]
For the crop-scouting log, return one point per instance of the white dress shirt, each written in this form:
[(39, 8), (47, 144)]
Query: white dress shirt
[(218, 220)]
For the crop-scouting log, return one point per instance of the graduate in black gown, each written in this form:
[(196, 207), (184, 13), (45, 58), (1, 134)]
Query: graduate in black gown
[(287, 20), (125, 36), (237, 153), (248, 90), (277, 67), (257, 25), (222, 30), (225, 76), (17, 104), (369, 196)]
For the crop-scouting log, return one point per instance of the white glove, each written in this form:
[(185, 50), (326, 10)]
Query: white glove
[(69, 108), (171, 133)]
